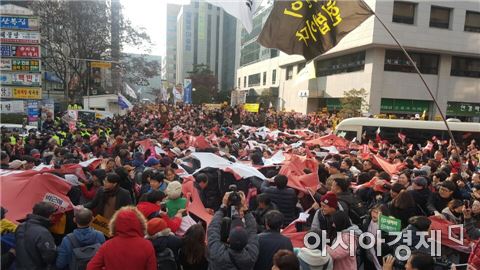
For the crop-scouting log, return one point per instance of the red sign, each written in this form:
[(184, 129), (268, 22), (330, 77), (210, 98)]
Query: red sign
[(27, 51)]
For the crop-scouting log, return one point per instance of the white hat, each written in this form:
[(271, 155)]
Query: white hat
[(16, 164)]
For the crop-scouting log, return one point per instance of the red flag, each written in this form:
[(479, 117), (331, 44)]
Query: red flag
[(377, 136), (31, 187), (297, 178), (402, 137), (145, 144), (429, 146), (387, 166), (329, 140), (447, 233), (194, 203), (201, 143)]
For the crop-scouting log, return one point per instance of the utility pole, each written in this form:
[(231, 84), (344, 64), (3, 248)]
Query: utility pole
[(115, 44)]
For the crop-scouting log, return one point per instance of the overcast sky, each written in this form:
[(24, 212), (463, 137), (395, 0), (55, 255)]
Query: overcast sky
[(150, 14)]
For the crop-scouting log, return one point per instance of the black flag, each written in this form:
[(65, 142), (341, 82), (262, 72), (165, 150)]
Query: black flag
[(311, 27)]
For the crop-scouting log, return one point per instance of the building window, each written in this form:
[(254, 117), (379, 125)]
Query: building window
[(440, 17), (465, 67), (238, 82), (343, 64), (244, 81), (197, 4), (209, 6), (274, 76), (264, 79), (300, 67), (396, 61), (289, 73), (254, 80), (472, 21), (404, 12)]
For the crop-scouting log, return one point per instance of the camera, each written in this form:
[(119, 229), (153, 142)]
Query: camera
[(234, 198)]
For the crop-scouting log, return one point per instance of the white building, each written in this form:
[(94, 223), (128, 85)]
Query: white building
[(443, 38)]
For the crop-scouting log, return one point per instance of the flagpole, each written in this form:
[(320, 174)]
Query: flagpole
[(417, 71)]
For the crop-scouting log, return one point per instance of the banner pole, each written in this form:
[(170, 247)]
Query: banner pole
[(418, 73)]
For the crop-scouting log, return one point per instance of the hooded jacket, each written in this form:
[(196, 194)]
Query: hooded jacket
[(85, 237), (340, 255), (150, 210), (128, 249), (35, 246), (165, 239), (220, 254), (312, 259)]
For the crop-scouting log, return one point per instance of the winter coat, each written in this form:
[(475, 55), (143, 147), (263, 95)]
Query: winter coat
[(259, 215), (472, 230), (323, 222), (312, 259), (211, 195), (269, 243), (341, 256), (403, 214), (436, 203), (164, 240), (98, 203), (421, 198), (150, 210), (219, 253), (450, 216), (285, 199), (35, 246), (128, 249), (85, 237)]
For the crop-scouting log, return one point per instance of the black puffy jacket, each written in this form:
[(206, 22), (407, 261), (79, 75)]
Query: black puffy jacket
[(285, 199), (35, 246)]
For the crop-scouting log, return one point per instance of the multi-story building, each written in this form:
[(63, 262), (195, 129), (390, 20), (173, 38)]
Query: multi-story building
[(443, 39), (206, 35), (169, 65)]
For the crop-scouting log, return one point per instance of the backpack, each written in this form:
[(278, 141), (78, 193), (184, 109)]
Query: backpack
[(356, 210), (166, 260), (81, 254)]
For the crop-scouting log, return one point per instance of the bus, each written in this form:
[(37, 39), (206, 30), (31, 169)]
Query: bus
[(416, 131)]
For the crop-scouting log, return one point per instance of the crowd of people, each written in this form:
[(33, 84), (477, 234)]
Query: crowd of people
[(138, 190)]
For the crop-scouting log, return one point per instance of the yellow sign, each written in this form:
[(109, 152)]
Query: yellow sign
[(27, 92), (251, 107), (101, 65), (212, 106), (100, 224)]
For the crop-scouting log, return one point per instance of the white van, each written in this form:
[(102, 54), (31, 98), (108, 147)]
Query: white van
[(416, 131)]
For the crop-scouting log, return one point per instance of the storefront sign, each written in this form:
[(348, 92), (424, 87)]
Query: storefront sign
[(15, 22), (27, 51), (5, 64), (21, 92), (404, 105), (32, 112), (463, 109), (251, 107), (12, 106), (100, 65), (25, 79), (22, 37), (25, 65)]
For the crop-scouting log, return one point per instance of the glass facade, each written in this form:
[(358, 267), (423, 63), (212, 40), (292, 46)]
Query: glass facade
[(397, 61), (343, 64)]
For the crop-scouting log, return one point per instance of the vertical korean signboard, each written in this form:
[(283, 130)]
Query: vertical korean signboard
[(20, 77)]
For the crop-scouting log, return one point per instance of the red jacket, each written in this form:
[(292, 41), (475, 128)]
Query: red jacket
[(148, 208), (474, 259), (128, 249)]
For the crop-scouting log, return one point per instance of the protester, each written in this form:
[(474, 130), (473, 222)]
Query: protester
[(323, 217), (193, 253), (110, 197), (314, 257), (344, 258), (270, 241), (283, 197), (35, 246), (175, 200), (285, 260), (81, 237), (165, 243), (242, 251), (264, 206), (128, 249)]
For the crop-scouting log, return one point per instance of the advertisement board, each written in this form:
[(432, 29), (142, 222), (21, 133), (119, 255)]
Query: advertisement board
[(12, 106), (21, 51), (25, 65), (18, 22), (24, 79), (21, 92), (22, 37)]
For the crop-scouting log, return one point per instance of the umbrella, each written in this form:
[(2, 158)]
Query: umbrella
[(21, 190)]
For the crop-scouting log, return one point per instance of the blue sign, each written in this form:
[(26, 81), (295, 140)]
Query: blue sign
[(10, 22), (187, 91), (32, 112), (6, 50)]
